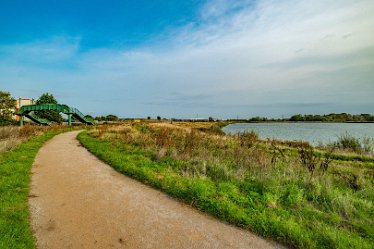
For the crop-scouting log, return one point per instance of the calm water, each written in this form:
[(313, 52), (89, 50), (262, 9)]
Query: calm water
[(315, 133)]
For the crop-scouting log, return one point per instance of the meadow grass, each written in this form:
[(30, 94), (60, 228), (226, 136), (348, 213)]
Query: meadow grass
[(15, 165), (300, 198), (11, 136)]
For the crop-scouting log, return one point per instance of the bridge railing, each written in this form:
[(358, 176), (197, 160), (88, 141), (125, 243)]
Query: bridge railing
[(26, 110)]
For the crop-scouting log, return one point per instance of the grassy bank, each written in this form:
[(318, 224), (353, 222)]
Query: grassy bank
[(15, 165), (300, 200)]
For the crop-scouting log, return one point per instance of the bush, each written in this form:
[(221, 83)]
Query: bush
[(351, 143), (7, 107)]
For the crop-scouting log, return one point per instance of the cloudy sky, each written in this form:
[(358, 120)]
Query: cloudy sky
[(191, 58)]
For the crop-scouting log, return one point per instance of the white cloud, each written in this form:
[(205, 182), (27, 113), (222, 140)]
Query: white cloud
[(269, 54)]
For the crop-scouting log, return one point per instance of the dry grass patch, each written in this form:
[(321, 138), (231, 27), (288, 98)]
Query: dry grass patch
[(11, 136)]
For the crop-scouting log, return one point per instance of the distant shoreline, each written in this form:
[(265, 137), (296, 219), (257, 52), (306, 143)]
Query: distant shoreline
[(301, 122)]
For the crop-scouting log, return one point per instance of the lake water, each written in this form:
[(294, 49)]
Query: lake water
[(314, 133)]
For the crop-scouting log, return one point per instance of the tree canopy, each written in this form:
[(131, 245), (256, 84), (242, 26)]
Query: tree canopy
[(52, 115), (7, 108), (333, 117), (110, 117)]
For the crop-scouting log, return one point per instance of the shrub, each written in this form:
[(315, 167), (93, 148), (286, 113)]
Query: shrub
[(348, 142), (351, 143), (248, 139)]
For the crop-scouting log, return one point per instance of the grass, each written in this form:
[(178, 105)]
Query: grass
[(11, 136), (15, 165), (295, 196)]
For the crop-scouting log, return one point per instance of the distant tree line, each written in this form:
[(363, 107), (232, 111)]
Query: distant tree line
[(332, 117), (342, 117), (110, 117)]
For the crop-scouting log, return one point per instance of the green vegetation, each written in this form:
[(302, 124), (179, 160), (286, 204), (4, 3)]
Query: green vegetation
[(332, 117), (110, 117), (353, 144), (7, 108), (297, 197), (215, 128), (51, 115), (15, 165), (342, 117)]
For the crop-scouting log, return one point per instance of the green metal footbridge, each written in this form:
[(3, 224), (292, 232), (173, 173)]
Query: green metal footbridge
[(28, 111)]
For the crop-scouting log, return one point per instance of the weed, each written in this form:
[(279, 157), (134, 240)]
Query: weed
[(308, 158), (351, 143), (368, 145), (248, 139), (326, 161)]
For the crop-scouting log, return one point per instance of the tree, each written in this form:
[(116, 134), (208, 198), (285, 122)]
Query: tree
[(7, 108), (158, 118), (297, 117), (52, 115), (111, 117)]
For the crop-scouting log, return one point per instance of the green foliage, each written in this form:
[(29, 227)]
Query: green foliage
[(307, 201), (51, 115), (258, 119), (342, 117), (348, 141), (110, 117), (353, 144), (213, 129), (7, 108)]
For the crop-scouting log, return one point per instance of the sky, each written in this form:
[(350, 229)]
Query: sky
[(191, 58)]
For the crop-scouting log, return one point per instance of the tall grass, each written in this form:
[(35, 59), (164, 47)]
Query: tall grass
[(302, 199), (352, 144), (11, 136)]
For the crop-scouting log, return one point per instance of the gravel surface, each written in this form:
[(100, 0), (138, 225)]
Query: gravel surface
[(77, 201)]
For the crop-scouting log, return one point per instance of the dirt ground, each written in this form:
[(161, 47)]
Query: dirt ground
[(77, 201)]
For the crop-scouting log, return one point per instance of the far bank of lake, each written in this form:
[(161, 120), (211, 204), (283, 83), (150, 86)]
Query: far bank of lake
[(314, 133)]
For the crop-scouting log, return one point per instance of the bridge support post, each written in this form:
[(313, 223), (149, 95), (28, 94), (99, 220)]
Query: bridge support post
[(21, 120), (69, 119)]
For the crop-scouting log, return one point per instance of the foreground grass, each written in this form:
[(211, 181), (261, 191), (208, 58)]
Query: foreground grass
[(15, 165), (247, 183)]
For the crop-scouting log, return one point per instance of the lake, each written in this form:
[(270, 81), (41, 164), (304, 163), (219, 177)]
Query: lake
[(314, 133)]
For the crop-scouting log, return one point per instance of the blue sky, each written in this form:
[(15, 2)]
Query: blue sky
[(190, 59)]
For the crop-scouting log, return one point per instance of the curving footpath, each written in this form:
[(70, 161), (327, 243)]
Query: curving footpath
[(77, 201)]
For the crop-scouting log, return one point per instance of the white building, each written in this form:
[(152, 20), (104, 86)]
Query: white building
[(22, 102)]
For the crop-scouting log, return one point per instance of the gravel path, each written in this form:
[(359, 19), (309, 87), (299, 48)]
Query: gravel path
[(77, 201)]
